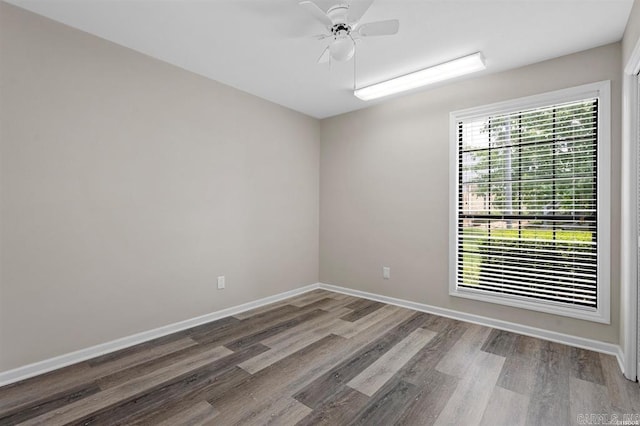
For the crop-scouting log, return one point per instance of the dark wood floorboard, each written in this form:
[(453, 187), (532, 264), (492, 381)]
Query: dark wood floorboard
[(585, 365), (432, 353), (50, 404), (233, 331), (500, 342), (387, 405), (254, 338), (136, 351), (340, 409), (327, 358), (363, 311), (435, 389), (186, 387), (333, 380), (218, 383)]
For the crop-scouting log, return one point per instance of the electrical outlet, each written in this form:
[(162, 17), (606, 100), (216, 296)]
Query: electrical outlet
[(221, 282), (386, 272)]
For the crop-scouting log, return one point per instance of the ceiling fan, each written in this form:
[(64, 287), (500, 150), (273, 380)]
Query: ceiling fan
[(342, 23)]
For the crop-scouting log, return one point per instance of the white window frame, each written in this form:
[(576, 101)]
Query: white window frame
[(602, 90)]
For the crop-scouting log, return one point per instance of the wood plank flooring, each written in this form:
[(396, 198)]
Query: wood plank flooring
[(328, 358)]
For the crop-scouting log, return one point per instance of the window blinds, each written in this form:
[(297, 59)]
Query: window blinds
[(527, 204)]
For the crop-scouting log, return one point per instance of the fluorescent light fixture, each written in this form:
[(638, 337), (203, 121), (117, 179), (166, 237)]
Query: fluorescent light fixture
[(445, 71)]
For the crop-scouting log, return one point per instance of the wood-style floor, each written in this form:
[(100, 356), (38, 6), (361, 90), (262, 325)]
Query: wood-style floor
[(328, 358)]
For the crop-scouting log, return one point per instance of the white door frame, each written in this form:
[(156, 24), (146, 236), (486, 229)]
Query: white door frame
[(629, 209)]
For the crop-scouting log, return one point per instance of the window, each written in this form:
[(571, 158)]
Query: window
[(530, 194)]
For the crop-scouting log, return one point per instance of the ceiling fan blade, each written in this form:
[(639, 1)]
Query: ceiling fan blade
[(320, 36), (324, 58), (379, 28), (357, 9), (313, 9)]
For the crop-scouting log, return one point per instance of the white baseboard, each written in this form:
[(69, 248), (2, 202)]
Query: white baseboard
[(620, 357), (580, 342), (41, 367)]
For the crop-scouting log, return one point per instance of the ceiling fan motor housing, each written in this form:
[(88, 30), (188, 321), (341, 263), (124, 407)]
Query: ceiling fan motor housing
[(341, 30)]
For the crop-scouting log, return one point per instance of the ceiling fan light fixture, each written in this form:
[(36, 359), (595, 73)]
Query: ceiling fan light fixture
[(342, 49), (456, 68)]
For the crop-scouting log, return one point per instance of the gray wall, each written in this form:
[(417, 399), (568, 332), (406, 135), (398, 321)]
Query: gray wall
[(384, 189), (127, 185)]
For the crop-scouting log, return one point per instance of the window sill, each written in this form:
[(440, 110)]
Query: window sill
[(600, 315)]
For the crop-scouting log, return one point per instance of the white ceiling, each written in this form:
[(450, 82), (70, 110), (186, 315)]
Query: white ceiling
[(264, 46)]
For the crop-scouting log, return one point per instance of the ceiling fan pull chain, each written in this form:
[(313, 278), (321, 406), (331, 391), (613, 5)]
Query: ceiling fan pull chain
[(355, 59)]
